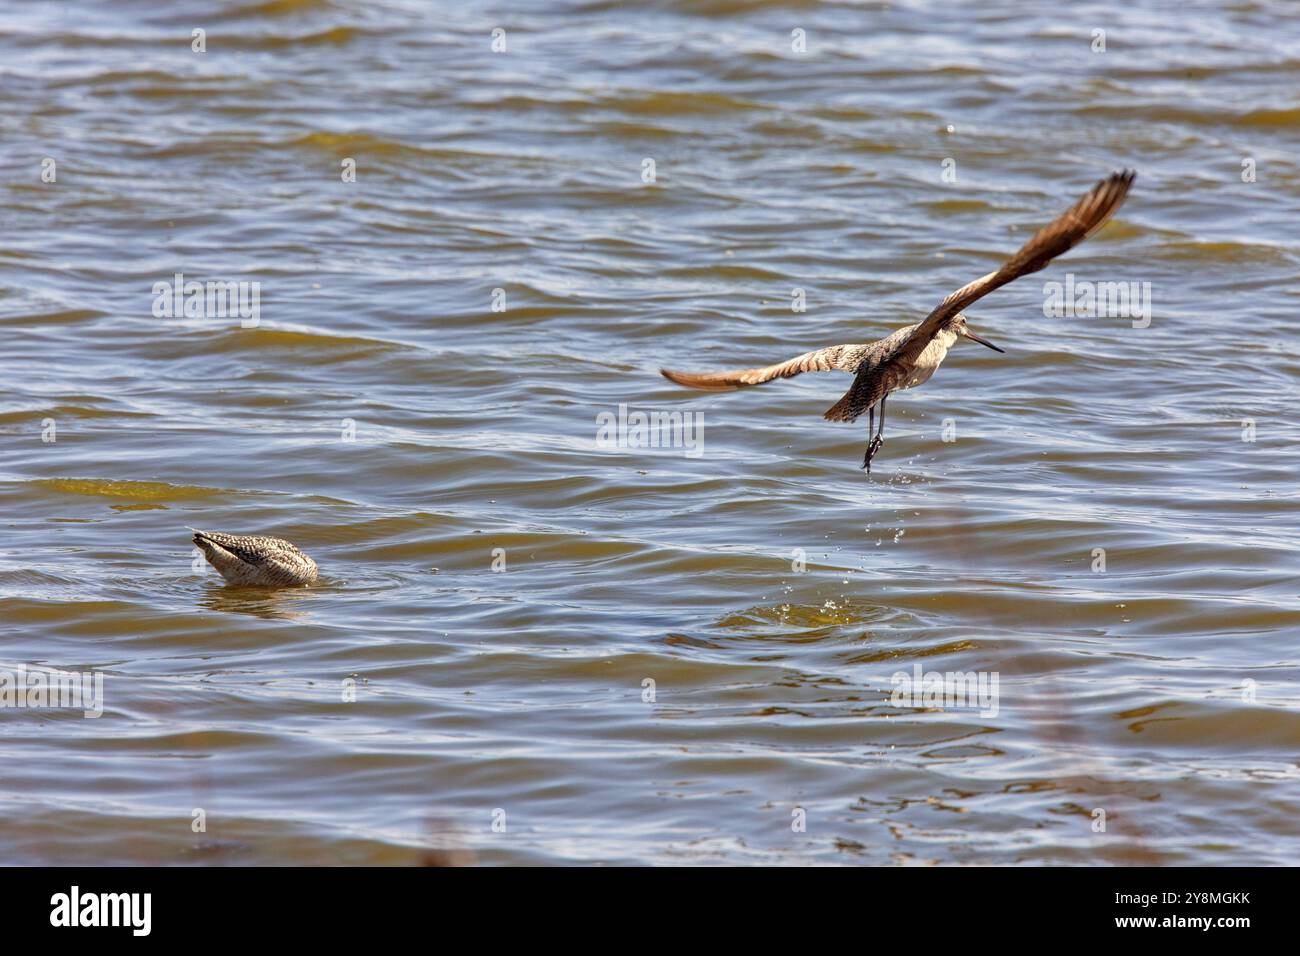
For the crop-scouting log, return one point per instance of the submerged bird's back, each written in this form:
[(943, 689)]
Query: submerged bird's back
[(256, 560)]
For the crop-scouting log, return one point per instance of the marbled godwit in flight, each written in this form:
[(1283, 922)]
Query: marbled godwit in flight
[(254, 560), (910, 356)]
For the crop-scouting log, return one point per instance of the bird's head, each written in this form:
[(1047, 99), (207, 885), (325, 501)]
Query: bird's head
[(957, 326)]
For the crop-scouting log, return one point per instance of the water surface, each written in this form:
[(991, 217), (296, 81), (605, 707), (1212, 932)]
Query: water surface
[(499, 588)]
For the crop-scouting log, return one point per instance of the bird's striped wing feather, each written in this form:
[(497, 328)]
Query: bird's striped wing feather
[(822, 360)]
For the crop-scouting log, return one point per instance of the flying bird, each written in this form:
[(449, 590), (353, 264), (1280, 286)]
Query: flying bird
[(909, 357), (255, 560)]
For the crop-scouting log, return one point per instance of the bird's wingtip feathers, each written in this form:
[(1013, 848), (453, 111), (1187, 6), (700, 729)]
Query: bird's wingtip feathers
[(705, 381)]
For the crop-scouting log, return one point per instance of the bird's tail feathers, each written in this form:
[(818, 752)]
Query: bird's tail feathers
[(842, 411)]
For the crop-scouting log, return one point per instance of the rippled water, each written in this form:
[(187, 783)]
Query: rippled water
[(499, 585)]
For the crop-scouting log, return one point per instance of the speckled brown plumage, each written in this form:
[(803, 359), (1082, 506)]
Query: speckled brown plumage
[(909, 356), (256, 560)]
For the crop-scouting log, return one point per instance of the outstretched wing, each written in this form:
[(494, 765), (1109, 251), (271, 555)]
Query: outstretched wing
[(822, 360), (1063, 233)]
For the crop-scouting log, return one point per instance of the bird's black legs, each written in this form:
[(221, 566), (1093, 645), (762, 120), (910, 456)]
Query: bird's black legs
[(871, 428), (877, 439)]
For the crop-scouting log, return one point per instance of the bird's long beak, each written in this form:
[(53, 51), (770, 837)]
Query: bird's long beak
[(984, 342)]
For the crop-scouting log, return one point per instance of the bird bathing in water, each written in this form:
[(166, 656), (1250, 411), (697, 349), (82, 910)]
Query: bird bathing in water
[(256, 560), (911, 355)]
